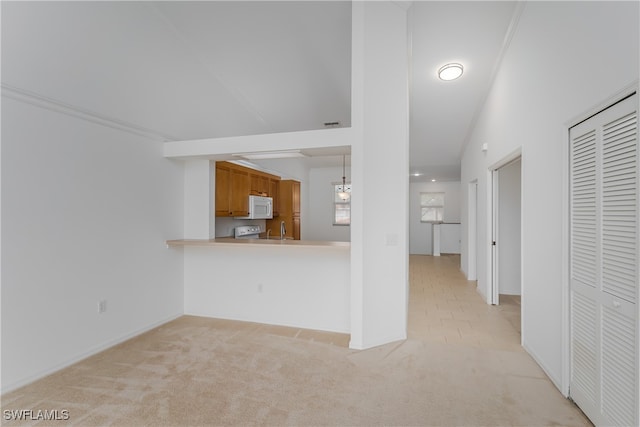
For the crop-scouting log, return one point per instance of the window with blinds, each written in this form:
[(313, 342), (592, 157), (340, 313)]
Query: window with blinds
[(431, 207)]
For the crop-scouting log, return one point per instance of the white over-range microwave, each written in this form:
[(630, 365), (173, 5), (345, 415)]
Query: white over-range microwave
[(260, 208)]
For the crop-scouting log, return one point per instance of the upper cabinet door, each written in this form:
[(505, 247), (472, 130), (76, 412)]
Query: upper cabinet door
[(239, 192), (274, 193), (259, 184), (222, 196), (296, 198)]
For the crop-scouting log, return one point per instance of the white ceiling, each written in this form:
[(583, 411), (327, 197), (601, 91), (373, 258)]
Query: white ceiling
[(190, 70), (470, 33)]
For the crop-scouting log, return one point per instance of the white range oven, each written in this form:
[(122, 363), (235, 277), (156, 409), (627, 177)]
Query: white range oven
[(247, 232)]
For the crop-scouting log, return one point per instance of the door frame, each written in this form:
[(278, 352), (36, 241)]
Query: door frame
[(472, 230), (493, 292), (566, 227)]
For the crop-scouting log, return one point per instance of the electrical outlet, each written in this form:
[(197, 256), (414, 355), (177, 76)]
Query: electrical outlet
[(102, 306)]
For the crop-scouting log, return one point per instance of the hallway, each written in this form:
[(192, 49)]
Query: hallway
[(446, 308)]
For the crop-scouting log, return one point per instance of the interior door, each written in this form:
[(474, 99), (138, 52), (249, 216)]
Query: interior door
[(604, 264), (495, 220), (472, 230)]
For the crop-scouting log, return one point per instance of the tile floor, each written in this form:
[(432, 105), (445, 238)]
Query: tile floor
[(446, 308)]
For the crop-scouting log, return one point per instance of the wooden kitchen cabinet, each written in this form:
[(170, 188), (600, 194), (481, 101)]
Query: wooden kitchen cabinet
[(295, 198), (295, 207), (259, 184), (234, 184), (289, 206), (296, 228), (232, 190), (223, 188), (239, 197), (274, 193)]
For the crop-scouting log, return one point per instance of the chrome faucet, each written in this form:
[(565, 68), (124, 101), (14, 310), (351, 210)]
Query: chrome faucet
[(283, 230), (268, 232)]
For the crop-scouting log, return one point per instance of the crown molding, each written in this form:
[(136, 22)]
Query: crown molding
[(51, 104)]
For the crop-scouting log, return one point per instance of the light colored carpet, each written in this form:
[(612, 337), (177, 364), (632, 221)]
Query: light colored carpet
[(199, 371)]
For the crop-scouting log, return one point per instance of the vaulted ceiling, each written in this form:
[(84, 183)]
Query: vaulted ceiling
[(443, 112), (189, 70)]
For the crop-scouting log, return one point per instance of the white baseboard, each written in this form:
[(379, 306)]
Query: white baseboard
[(554, 379), (6, 388), (376, 343), (314, 327), (482, 294)]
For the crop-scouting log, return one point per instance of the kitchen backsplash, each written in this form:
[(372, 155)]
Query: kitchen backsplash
[(225, 225)]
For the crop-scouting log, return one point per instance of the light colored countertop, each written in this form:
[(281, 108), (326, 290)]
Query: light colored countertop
[(256, 242)]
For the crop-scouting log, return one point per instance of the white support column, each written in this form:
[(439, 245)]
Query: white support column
[(436, 238), (199, 187), (380, 120)]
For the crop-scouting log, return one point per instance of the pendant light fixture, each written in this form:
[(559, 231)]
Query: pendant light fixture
[(344, 195)]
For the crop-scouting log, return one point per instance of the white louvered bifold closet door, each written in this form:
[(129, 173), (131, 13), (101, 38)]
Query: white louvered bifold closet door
[(604, 265)]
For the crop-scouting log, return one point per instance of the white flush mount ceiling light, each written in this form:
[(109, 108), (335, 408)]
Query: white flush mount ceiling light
[(271, 155), (450, 71)]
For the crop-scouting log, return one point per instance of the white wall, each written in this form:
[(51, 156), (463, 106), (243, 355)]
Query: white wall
[(319, 218), (86, 210), (277, 288), (420, 233), (508, 243), (199, 215), (564, 59), (450, 238)]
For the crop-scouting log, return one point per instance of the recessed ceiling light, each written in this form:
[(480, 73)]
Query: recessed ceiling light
[(450, 71), (271, 155), (416, 174), (433, 180)]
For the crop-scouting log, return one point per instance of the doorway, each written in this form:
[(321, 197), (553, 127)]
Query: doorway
[(506, 238), (506, 241), (472, 273)]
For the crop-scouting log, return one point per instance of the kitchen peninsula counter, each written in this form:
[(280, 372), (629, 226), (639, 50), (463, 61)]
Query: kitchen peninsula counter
[(256, 242), (301, 283)]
